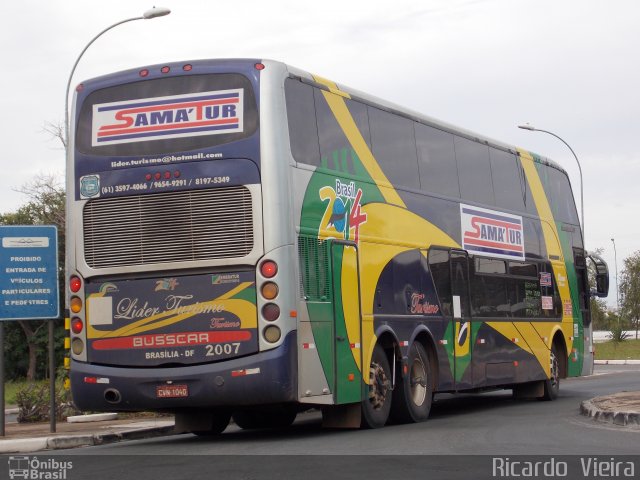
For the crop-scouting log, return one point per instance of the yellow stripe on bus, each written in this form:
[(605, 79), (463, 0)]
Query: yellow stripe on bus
[(348, 125), (551, 238)]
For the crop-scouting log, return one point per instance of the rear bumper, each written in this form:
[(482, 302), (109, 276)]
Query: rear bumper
[(263, 378)]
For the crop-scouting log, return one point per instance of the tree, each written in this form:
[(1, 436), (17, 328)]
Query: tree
[(630, 290), (45, 206)]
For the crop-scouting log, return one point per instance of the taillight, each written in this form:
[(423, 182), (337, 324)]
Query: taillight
[(270, 312), (269, 290), (76, 326), (272, 334), (269, 268), (75, 304), (77, 346), (75, 284)]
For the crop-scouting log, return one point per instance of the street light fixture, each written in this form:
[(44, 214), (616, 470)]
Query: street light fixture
[(615, 259), (534, 129), (149, 14)]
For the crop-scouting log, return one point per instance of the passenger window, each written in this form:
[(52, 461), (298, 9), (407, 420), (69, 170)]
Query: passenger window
[(508, 180), (437, 161), (301, 118), (440, 273), (334, 145), (394, 147), (488, 288), (561, 196), (474, 171)]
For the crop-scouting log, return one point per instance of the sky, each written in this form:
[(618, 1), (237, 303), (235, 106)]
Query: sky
[(570, 67)]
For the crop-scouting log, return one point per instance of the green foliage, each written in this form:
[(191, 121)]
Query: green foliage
[(618, 333), (630, 289), (33, 403)]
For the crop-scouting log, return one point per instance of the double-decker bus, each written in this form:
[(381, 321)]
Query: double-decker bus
[(247, 239)]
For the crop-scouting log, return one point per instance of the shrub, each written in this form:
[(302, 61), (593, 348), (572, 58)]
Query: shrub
[(33, 403), (618, 334)]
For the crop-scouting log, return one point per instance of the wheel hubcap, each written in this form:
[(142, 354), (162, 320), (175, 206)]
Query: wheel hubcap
[(378, 386), (555, 370), (418, 382)]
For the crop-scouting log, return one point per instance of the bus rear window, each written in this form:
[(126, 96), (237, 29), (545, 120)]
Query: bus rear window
[(167, 115)]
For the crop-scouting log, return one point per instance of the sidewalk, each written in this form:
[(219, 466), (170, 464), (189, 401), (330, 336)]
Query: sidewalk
[(617, 362), (33, 437)]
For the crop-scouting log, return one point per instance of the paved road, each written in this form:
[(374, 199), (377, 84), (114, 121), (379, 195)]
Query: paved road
[(490, 423)]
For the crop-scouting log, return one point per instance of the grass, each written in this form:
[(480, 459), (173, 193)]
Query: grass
[(11, 387), (625, 350)]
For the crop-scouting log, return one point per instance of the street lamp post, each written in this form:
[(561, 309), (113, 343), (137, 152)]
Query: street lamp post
[(149, 14), (615, 259), (533, 129)]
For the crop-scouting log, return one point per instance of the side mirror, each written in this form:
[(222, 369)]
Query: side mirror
[(602, 276)]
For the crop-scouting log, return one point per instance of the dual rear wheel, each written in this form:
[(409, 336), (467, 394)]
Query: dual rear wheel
[(409, 400)]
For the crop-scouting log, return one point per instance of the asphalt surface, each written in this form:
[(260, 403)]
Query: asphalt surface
[(617, 409)]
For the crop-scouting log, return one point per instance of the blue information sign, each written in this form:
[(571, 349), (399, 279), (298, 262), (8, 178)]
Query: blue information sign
[(29, 272)]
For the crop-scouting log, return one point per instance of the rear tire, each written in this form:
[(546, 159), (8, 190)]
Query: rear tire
[(377, 402), (412, 396), (552, 384), (280, 416), (217, 423)]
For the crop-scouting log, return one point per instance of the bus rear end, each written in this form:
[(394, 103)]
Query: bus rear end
[(173, 292)]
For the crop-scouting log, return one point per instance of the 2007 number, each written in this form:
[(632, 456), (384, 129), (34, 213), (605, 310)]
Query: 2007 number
[(222, 349)]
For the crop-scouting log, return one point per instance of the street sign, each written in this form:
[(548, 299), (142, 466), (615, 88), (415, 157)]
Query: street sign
[(29, 272)]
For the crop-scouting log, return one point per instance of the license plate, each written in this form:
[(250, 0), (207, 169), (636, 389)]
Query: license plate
[(172, 391)]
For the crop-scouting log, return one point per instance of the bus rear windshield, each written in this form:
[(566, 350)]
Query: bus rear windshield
[(167, 115)]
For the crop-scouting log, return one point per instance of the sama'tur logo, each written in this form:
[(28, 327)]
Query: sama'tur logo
[(491, 233), (343, 213), (174, 116)]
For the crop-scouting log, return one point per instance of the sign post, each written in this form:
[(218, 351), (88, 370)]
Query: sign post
[(28, 287)]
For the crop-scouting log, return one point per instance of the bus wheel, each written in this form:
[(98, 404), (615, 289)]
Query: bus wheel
[(215, 425), (552, 384), (412, 396), (377, 402), (280, 416)]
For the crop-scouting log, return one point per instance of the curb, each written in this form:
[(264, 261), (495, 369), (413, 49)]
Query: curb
[(616, 362), (72, 441), (588, 409)]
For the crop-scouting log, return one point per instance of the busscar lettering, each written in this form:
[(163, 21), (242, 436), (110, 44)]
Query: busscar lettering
[(169, 340)]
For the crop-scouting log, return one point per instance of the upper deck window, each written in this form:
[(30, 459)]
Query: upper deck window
[(166, 115)]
